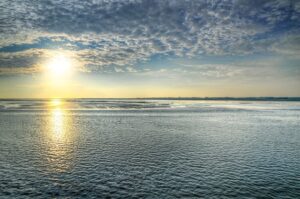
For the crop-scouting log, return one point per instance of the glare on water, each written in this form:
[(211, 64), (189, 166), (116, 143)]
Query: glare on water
[(59, 138), (58, 125)]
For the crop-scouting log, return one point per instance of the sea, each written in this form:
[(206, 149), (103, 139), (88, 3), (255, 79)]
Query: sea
[(149, 148)]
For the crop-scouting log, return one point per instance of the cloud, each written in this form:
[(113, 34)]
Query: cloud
[(288, 46), (20, 62), (34, 60), (122, 33)]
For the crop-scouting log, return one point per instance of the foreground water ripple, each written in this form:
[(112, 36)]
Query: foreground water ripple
[(209, 151)]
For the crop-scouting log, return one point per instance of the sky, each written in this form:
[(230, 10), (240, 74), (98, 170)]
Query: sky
[(149, 48)]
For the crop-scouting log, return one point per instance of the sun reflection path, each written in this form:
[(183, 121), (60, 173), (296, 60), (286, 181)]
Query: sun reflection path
[(58, 125), (59, 149)]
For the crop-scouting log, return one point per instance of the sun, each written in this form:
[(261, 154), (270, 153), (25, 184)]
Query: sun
[(59, 65), (59, 74)]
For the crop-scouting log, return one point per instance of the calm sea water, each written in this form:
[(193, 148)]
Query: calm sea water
[(149, 149)]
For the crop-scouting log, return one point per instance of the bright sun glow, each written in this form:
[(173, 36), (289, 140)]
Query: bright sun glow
[(59, 65), (59, 71), (55, 102)]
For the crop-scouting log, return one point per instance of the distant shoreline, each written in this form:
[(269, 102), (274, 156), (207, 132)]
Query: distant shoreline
[(172, 98), (231, 98)]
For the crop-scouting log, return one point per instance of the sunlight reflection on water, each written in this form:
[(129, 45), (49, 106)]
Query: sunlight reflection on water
[(58, 140), (57, 125)]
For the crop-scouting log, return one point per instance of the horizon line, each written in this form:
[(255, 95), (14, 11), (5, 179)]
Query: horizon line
[(261, 98)]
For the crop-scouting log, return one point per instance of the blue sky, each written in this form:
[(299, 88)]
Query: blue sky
[(238, 46)]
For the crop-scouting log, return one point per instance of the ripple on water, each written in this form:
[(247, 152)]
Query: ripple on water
[(155, 154)]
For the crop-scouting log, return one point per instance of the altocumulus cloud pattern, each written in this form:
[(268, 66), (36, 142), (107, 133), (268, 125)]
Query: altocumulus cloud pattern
[(119, 33)]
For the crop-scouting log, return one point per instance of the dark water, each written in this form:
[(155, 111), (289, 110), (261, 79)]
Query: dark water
[(149, 149)]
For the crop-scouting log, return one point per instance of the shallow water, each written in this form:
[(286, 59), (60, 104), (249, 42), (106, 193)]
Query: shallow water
[(149, 148)]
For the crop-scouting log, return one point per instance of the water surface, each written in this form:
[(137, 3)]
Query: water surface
[(149, 148)]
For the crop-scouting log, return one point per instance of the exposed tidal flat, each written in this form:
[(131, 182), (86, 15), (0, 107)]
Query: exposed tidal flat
[(98, 148)]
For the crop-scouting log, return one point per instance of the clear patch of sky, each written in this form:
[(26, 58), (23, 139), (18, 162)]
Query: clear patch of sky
[(164, 62)]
